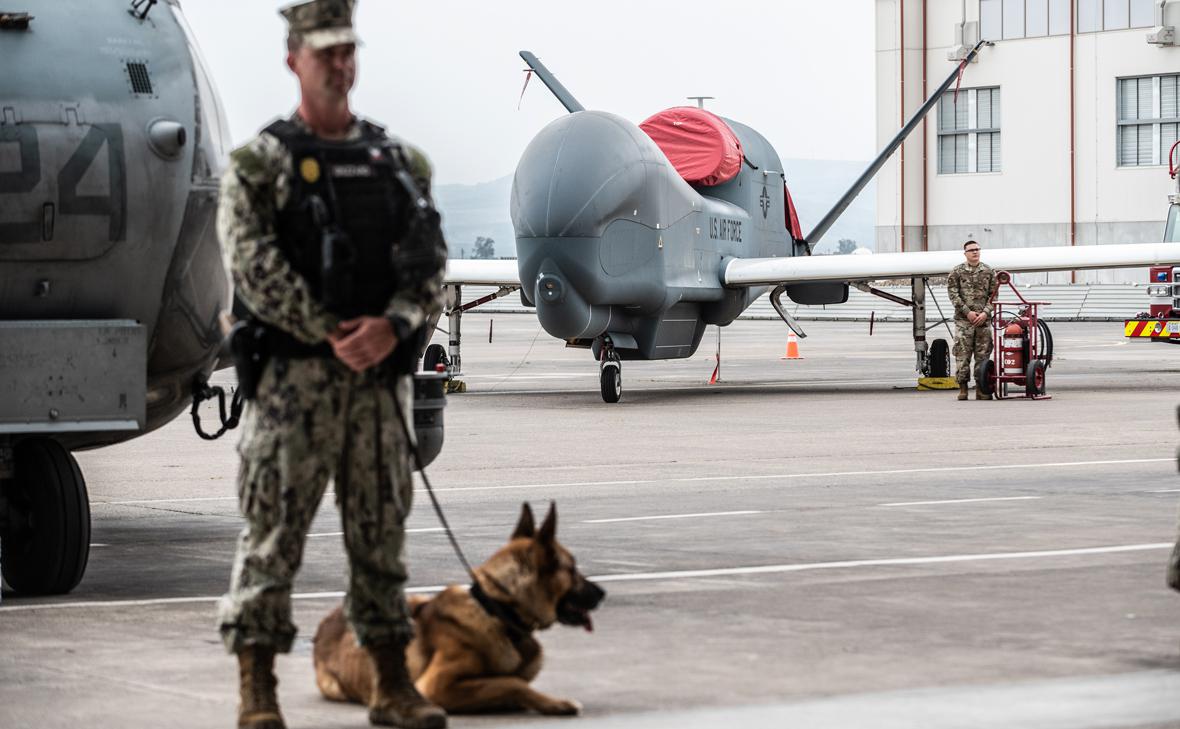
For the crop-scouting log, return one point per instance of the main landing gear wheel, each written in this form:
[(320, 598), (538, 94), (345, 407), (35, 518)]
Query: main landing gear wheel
[(435, 354), (939, 359), (985, 377), (47, 529), (610, 379), (1034, 378)]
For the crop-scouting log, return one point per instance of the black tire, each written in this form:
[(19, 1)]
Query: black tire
[(46, 552), (985, 377), (1034, 378), (610, 381), (939, 359), (435, 354)]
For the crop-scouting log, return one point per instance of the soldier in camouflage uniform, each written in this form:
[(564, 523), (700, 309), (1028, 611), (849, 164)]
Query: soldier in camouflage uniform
[(327, 403), (970, 287)]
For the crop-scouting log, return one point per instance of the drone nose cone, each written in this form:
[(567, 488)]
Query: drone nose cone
[(562, 310), (582, 172)]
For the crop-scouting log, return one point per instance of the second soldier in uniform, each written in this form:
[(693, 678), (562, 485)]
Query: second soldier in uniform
[(970, 287), (337, 276)]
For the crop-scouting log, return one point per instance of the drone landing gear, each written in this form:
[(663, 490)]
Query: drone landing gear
[(610, 373)]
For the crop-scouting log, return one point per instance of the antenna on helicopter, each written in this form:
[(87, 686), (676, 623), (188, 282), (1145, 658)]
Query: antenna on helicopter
[(700, 100)]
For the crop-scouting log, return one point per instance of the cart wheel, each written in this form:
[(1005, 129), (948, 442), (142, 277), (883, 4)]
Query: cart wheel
[(1034, 378), (939, 359), (985, 377)]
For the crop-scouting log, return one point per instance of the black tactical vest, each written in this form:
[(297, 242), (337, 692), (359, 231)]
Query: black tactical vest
[(344, 218)]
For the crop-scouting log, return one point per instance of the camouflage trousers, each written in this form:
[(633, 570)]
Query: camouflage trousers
[(970, 341), (314, 420)]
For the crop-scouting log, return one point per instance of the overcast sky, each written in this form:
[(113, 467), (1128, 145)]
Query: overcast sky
[(446, 75)]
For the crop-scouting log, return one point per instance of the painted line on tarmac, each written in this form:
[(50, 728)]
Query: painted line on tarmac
[(178, 501), (185, 600), (899, 561), (694, 479), (667, 575), (961, 501), (408, 531), (1164, 491), (670, 516), (828, 474)]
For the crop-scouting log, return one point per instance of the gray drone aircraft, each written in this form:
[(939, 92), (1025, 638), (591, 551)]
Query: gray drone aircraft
[(633, 238), (111, 149)]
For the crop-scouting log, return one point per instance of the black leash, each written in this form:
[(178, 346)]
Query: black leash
[(515, 626), (401, 419)]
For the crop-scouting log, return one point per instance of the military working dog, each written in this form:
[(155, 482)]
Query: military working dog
[(474, 649)]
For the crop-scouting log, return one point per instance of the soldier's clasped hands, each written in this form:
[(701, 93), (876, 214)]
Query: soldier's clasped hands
[(363, 342)]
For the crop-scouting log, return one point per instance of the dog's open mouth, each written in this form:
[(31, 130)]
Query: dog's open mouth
[(570, 614), (575, 608)]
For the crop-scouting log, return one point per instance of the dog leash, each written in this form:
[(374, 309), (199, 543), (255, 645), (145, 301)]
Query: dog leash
[(515, 626), (434, 499)]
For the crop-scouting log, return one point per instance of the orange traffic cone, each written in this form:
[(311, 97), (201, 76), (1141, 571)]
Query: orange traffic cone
[(792, 347)]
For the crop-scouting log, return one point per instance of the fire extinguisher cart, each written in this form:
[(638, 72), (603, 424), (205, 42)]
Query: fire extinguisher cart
[(1022, 350)]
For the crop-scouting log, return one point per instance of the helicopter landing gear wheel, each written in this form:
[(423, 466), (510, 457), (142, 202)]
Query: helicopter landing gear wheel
[(610, 377), (47, 525)]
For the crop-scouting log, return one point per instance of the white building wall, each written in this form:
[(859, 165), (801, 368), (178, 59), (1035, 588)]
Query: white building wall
[(1028, 202)]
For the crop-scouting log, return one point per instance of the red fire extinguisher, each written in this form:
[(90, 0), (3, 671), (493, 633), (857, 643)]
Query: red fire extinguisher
[(1012, 347)]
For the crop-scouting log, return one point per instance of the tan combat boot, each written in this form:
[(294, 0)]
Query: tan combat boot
[(981, 395), (963, 391), (259, 707), (395, 701)]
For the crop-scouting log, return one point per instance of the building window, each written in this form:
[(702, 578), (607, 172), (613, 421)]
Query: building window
[(1149, 119), (969, 131), (1009, 19)]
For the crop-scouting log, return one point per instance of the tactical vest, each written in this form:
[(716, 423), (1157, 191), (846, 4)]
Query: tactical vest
[(344, 217)]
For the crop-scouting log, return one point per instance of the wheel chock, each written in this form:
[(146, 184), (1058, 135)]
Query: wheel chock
[(937, 383)]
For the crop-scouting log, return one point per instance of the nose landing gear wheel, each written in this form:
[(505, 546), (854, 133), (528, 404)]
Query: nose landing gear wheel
[(47, 529), (435, 354), (610, 380)]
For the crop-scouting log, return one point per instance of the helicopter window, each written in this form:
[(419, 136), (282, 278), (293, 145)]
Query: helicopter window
[(137, 75)]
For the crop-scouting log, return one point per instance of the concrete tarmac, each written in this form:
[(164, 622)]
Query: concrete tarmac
[(810, 543)]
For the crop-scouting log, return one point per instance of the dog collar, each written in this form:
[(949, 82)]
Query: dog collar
[(514, 625)]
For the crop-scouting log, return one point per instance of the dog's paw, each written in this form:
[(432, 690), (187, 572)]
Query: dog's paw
[(562, 707)]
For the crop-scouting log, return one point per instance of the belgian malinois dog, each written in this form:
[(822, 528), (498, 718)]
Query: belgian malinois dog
[(474, 649)]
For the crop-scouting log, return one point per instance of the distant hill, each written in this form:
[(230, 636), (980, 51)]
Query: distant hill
[(481, 210)]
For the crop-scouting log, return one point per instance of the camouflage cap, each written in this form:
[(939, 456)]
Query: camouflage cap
[(321, 23)]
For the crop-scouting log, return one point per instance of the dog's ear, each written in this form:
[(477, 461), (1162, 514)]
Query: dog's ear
[(548, 527), (524, 526)]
